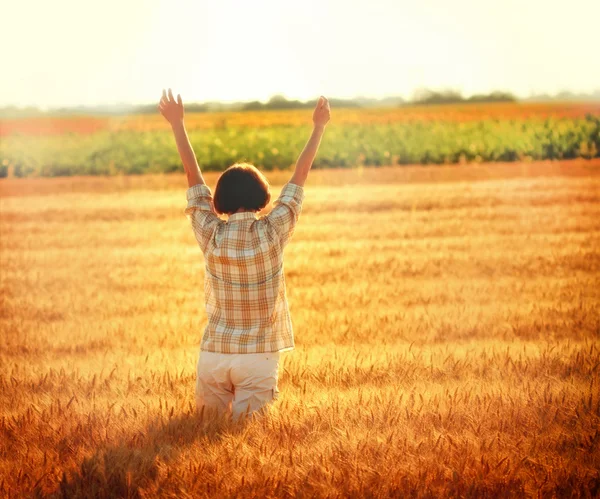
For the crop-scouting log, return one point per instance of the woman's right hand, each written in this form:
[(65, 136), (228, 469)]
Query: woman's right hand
[(171, 109), (321, 114)]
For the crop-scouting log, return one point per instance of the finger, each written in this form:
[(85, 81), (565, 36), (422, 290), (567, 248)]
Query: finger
[(164, 101), (179, 101), (320, 102), (171, 98), (164, 95)]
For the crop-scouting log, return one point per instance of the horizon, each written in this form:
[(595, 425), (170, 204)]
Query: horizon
[(375, 49), (592, 96)]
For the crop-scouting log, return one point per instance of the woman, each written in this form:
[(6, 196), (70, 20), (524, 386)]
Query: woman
[(249, 322)]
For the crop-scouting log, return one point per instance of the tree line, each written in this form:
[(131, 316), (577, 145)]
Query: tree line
[(421, 97)]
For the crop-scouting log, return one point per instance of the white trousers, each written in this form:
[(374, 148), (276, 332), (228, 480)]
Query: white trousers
[(236, 383)]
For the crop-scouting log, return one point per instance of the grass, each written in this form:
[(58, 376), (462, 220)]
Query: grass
[(446, 319), (449, 134)]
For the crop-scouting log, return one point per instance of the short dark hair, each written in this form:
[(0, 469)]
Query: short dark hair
[(241, 186)]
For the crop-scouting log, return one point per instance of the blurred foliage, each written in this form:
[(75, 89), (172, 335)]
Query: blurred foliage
[(130, 150), (432, 97)]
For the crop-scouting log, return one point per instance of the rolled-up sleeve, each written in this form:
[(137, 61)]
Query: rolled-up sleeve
[(285, 212), (201, 213)]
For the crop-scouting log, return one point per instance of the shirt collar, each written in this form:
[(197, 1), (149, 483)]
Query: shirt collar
[(244, 215)]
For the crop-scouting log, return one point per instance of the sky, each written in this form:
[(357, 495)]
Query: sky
[(73, 52)]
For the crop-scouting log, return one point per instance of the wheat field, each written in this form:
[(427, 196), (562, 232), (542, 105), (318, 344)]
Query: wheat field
[(447, 333)]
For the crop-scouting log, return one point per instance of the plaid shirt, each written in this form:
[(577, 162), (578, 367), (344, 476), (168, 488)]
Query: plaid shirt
[(244, 283)]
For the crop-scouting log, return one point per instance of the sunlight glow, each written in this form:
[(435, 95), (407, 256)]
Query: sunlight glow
[(72, 53)]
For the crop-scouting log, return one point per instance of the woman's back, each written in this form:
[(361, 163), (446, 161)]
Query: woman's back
[(244, 288)]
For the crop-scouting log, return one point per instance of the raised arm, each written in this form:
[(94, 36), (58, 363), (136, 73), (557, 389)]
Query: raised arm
[(173, 112), (321, 116)]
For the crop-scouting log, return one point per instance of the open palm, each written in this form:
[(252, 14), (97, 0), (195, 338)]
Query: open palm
[(172, 110)]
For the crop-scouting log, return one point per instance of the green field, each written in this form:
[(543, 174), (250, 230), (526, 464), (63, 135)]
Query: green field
[(389, 137)]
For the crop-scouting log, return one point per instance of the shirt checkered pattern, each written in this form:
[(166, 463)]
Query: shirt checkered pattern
[(244, 282)]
